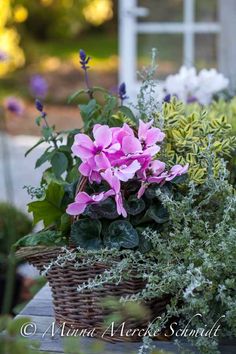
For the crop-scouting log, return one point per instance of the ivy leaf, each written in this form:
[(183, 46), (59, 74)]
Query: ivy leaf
[(158, 213), (59, 163), (120, 234), (42, 238), (85, 233), (49, 209), (134, 205)]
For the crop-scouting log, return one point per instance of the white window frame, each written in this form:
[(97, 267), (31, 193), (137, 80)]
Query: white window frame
[(129, 28)]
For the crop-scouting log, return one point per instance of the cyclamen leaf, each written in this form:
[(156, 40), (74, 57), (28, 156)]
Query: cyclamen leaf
[(85, 233), (158, 213), (134, 205), (121, 234)]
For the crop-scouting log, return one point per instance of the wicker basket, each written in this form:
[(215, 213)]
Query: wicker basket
[(83, 310)]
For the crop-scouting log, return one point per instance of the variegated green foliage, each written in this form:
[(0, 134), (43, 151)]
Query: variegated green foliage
[(191, 133)]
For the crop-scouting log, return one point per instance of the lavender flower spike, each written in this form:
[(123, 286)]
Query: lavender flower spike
[(84, 59), (38, 86), (39, 107), (14, 106), (122, 92)]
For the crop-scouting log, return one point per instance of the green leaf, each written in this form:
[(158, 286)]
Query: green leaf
[(47, 132), (105, 209), (45, 157), (38, 120), (87, 110), (85, 233), (34, 146), (42, 238), (14, 327), (65, 224), (76, 94), (121, 234), (128, 113), (180, 179), (158, 213), (49, 209), (144, 244), (134, 205), (59, 163)]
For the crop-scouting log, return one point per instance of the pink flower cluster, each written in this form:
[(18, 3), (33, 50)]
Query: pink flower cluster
[(118, 155)]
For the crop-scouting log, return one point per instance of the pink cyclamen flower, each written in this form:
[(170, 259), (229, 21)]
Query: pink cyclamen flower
[(95, 154), (114, 183), (153, 174), (177, 170), (149, 136), (82, 200)]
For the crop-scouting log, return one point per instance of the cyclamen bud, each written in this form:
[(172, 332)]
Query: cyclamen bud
[(122, 91)]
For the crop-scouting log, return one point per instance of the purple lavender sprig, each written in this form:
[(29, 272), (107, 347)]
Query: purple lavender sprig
[(14, 106), (39, 107), (84, 60), (122, 92), (38, 86)]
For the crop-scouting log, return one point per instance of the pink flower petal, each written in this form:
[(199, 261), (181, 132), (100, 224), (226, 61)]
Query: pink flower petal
[(113, 148), (83, 197), (143, 128), (102, 161), (131, 145), (154, 136), (142, 190), (152, 150), (95, 177), (85, 169), (103, 136), (83, 146), (157, 167), (119, 205), (75, 208)]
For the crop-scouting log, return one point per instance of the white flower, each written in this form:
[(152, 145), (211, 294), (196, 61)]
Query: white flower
[(187, 85), (209, 83)]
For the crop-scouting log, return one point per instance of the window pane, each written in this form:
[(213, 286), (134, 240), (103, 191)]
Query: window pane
[(206, 10), (170, 49), (162, 10), (206, 50)]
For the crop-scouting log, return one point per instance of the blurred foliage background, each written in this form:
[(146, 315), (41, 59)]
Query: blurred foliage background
[(42, 37)]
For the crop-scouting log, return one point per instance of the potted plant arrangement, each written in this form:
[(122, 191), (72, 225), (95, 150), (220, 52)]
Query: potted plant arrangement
[(137, 206)]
